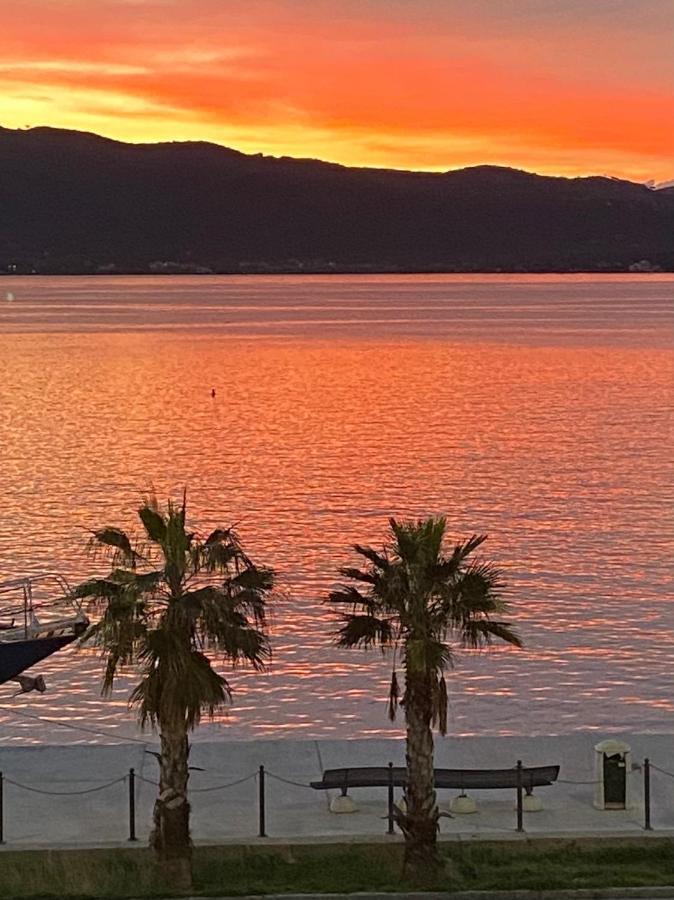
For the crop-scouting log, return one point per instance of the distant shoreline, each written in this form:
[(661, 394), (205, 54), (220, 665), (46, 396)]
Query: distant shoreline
[(256, 272)]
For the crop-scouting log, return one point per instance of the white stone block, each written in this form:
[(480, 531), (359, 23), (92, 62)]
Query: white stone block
[(343, 804), (532, 803), (463, 805)]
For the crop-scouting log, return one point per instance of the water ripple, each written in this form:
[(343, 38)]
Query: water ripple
[(538, 410)]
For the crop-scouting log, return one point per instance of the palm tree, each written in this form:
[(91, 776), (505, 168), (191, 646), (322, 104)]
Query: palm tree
[(423, 603), (168, 598)]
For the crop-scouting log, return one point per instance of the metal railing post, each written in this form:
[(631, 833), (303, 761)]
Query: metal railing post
[(520, 825), (390, 798), (2, 809), (647, 795), (132, 805), (262, 831)]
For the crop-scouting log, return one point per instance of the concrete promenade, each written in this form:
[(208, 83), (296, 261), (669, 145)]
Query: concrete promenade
[(296, 813)]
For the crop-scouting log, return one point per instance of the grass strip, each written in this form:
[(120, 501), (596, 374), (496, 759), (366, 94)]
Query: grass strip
[(235, 871)]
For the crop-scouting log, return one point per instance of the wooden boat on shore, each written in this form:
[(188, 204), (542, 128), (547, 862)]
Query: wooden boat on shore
[(33, 624)]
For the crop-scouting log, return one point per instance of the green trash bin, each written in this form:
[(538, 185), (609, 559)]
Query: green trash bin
[(613, 764)]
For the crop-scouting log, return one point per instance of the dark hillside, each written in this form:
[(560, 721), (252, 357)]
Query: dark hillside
[(78, 202)]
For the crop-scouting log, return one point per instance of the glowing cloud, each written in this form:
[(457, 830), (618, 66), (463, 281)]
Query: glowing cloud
[(564, 88)]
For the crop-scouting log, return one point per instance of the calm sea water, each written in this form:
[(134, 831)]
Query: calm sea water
[(536, 409)]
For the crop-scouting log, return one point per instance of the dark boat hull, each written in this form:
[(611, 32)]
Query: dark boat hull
[(17, 656)]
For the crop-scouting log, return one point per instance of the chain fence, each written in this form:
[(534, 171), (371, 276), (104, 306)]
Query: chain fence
[(261, 775)]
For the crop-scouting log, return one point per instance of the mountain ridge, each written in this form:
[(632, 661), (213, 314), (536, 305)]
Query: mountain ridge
[(66, 133), (81, 202)]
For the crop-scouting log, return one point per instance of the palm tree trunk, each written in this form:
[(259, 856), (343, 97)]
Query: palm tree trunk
[(170, 838), (420, 823)]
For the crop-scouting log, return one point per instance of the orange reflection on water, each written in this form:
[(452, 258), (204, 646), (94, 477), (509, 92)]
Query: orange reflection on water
[(554, 443)]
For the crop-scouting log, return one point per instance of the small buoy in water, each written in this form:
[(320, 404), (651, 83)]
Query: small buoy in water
[(212, 392), (9, 296)]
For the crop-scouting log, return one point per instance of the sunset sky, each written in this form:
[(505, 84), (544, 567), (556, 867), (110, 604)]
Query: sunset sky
[(555, 86)]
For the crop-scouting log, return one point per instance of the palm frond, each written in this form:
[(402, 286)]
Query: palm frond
[(418, 542), (222, 623), (393, 696), (183, 508), (254, 578), (475, 595), (364, 631), (481, 633), (178, 688), (98, 589), (440, 705), (483, 580), (347, 595), (252, 604), (379, 560), (153, 522), (359, 575), (463, 549), (240, 643), (218, 536), (117, 544), (220, 556), (213, 606), (147, 582), (121, 633), (176, 547)]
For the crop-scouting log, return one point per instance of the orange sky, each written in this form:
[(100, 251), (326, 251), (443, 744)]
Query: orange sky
[(556, 86)]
